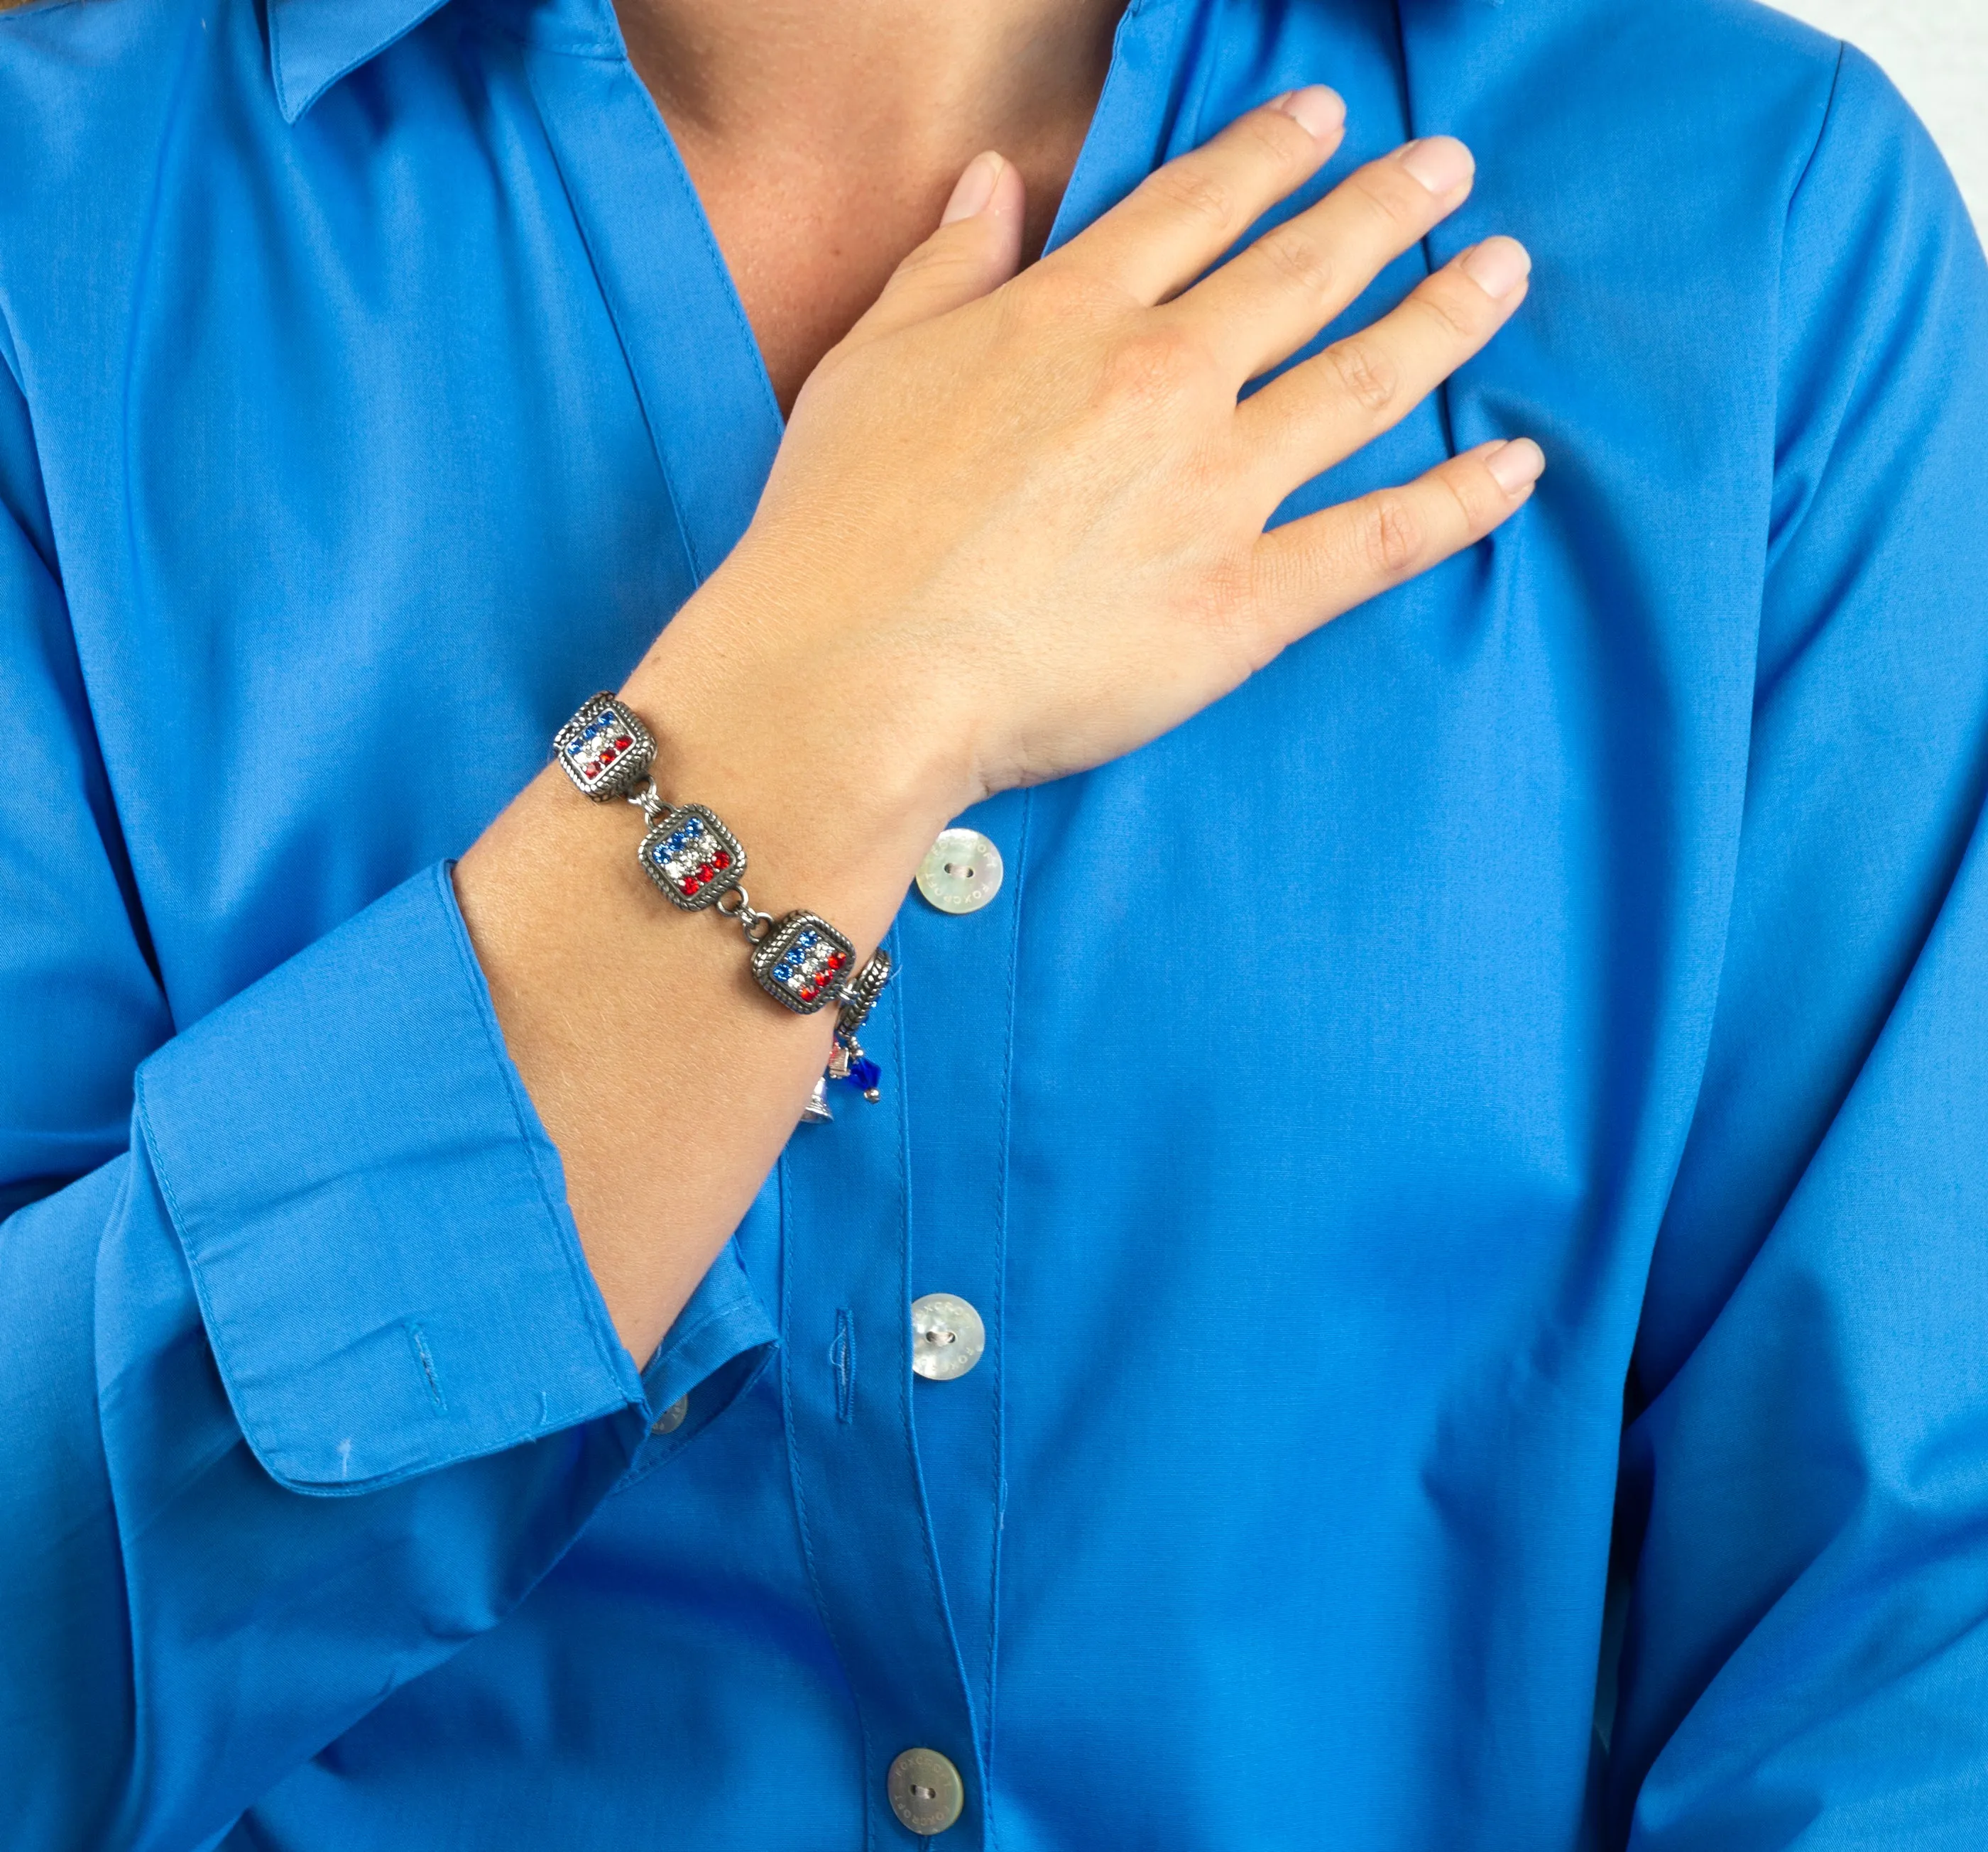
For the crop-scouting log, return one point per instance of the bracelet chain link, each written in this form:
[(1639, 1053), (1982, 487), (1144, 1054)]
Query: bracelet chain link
[(693, 859)]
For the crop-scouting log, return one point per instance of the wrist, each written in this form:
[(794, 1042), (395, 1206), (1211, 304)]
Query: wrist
[(835, 804)]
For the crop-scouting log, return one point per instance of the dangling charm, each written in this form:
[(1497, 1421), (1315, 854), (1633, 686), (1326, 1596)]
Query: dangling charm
[(847, 1061), (856, 1067)]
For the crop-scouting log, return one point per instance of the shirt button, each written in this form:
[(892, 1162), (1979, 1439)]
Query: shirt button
[(961, 873), (925, 1790), (946, 1336), (672, 1418)]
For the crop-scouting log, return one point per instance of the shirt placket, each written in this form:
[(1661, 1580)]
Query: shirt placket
[(956, 937), (844, 1188), (897, 1476)]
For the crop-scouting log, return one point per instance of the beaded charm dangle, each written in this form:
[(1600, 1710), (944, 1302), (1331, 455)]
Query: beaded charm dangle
[(847, 1062)]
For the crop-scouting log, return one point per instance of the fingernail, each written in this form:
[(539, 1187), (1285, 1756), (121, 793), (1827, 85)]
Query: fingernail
[(1514, 464), (1441, 162), (1319, 112), (973, 189), (1498, 266)]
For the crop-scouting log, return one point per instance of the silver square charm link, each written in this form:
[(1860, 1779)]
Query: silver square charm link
[(691, 856), (605, 749), (803, 962)]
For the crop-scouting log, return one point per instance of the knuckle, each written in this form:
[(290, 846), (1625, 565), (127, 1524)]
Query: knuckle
[(1233, 615), (1476, 496), (1301, 262), (1453, 317), (1279, 139), (1188, 188), (1279, 576), (1460, 522), (934, 259), (1155, 364), (1390, 196), (1390, 536), (1367, 374)]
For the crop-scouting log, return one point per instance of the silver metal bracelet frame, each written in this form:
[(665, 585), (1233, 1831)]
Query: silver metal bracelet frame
[(694, 861)]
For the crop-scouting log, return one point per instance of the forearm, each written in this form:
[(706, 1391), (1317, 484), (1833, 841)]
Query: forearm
[(666, 1078)]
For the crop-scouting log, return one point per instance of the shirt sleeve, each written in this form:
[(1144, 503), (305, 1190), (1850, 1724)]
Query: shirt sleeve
[(1804, 1490), (308, 1382)]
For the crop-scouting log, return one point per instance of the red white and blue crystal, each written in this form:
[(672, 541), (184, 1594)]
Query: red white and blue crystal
[(800, 961), (691, 856), (605, 750), (803, 962)]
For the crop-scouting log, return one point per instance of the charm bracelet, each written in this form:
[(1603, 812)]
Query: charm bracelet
[(797, 959)]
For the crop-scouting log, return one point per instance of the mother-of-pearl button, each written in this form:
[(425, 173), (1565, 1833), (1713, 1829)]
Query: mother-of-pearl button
[(926, 1793), (961, 873), (946, 1336)]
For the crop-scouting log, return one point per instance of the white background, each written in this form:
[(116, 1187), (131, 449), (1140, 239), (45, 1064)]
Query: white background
[(1936, 52)]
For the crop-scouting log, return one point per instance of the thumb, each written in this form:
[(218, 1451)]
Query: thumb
[(977, 248)]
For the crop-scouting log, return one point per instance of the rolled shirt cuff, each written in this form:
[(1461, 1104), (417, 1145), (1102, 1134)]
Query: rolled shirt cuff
[(376, 1224)]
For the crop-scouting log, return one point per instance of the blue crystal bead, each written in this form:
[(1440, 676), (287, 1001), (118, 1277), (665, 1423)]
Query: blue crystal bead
[(863, 1073)]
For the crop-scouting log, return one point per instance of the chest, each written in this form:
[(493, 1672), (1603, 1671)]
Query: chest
[(810, 227), (807, 245), (419, 460)]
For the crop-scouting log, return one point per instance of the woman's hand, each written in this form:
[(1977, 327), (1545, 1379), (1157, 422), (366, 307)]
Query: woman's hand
[(1015, 529), (1016, 526)]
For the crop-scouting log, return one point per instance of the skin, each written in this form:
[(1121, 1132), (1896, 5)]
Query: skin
[(824, 138), (1015, 530)]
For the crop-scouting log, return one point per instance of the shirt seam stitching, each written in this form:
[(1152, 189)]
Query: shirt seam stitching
[(1822, 127), (1000, 1308), (865, 1741)]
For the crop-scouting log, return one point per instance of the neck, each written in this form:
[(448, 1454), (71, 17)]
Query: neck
[(924, 78), (823, 136)]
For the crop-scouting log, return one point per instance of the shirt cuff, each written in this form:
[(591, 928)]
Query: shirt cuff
[(375, 1220)]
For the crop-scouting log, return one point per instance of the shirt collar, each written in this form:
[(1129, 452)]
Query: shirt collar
[(313, 43)]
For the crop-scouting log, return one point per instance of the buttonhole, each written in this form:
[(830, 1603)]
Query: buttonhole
[(427, 1362), (842, 1358)]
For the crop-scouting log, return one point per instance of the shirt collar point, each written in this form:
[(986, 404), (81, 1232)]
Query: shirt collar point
[(314, 43)]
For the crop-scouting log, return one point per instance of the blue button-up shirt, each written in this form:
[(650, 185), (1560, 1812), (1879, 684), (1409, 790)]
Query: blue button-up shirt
[(1567, 971)]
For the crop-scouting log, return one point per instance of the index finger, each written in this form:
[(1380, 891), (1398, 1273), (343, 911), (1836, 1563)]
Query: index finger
[(1181, 217)]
